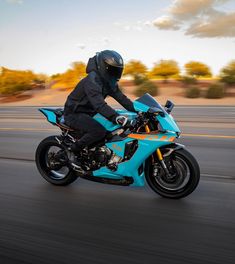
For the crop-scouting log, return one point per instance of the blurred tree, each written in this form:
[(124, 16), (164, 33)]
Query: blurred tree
[(13, 81), (197, 69), (165, 69), (135, 68), (71, 77), (79, 68), (227, 74), (55, 76)]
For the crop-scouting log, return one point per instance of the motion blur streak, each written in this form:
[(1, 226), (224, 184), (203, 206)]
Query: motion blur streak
[(94, 223)]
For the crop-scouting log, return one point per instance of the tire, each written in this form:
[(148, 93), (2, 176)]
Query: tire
[(192, 166), (50, 175)]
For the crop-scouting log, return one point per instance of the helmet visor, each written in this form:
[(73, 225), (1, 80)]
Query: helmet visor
[(114, 72)]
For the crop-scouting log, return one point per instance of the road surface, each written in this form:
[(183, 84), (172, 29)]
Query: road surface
[(89, 222)]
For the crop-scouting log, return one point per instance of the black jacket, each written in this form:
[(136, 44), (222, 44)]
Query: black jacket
[(89, 94)]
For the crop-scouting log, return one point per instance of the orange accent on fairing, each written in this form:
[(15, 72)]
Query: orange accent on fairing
[(115, 146), (150, 137), (137, 136), (163, 138)]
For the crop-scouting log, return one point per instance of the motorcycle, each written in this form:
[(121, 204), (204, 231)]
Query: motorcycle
[(144, 151)]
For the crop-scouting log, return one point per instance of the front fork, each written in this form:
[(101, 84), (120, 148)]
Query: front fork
[(160, 157), (163, 164)]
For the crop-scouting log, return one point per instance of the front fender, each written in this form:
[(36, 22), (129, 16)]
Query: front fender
[(166, 151)]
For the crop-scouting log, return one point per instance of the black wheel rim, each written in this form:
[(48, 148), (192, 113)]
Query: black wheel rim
[(53, 166), (179, 181)]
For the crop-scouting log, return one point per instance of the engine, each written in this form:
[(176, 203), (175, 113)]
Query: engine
[(100, 156)]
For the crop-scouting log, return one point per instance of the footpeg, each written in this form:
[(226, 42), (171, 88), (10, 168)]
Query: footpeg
[(77, 168)]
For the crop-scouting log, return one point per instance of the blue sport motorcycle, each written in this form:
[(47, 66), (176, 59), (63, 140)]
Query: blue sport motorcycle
[(130, 156)]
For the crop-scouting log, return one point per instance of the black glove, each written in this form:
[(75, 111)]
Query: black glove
[(123, 121)]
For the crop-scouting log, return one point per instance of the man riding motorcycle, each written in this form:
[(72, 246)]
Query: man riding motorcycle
[(87, 99)]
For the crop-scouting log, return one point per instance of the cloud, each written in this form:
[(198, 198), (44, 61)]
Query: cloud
[(186, 9), (17, 2), (221, 26), (166, 23), (198, 18)]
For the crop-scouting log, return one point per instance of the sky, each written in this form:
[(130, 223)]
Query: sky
[(46, 36)]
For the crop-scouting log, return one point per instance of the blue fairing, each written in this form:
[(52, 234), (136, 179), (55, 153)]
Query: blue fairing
[(131, 167), (50, 115), (110, 126), (105, 122), (167, 123)]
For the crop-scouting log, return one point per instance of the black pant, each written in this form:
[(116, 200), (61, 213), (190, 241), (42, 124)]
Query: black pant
[(91, 130)]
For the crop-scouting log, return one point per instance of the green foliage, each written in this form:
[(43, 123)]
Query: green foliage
[(227, 74), (215, 91), (193, 92), (197, 69), (146, 87), (165, 69), (139, 79), (135, 68), (13, 82), (188, 80)]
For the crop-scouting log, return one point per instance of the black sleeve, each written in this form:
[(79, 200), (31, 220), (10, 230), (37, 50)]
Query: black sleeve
[(94, 94), (122, 99)]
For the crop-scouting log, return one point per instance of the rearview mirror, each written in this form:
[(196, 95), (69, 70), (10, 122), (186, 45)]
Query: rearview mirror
[(169, 106)]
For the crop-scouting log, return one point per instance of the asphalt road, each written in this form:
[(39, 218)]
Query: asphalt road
[(88, 222), (181, 113)]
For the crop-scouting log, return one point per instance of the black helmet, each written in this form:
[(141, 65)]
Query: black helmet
[(110, 65)]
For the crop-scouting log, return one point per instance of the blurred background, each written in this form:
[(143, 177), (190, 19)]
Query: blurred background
[(182, 50)]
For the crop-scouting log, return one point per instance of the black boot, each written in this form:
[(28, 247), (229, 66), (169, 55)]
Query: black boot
[(74, 153)]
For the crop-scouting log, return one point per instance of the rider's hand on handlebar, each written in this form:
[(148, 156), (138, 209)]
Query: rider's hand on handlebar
[(123, 121)]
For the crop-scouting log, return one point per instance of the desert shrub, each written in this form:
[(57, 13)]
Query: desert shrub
[(215, 91), (193, 92), (146, 87), (139, 79), (227, 74), (188, 80)]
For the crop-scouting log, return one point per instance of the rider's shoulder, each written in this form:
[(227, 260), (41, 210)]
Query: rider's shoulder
[(94, 78)]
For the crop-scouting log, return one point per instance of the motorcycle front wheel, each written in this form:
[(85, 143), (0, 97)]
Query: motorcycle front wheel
[(186, 175), (52, 162)]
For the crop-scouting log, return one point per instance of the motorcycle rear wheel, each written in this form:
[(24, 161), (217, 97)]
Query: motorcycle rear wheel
[(186, 179), (55, 173)]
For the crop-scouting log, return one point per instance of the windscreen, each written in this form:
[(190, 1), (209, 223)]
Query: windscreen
[(148, 100)]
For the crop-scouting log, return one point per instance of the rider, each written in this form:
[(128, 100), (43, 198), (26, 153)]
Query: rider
[(104, 71)]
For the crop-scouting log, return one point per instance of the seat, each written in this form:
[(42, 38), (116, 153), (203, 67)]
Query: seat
[(62, 124), (58, 111)]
